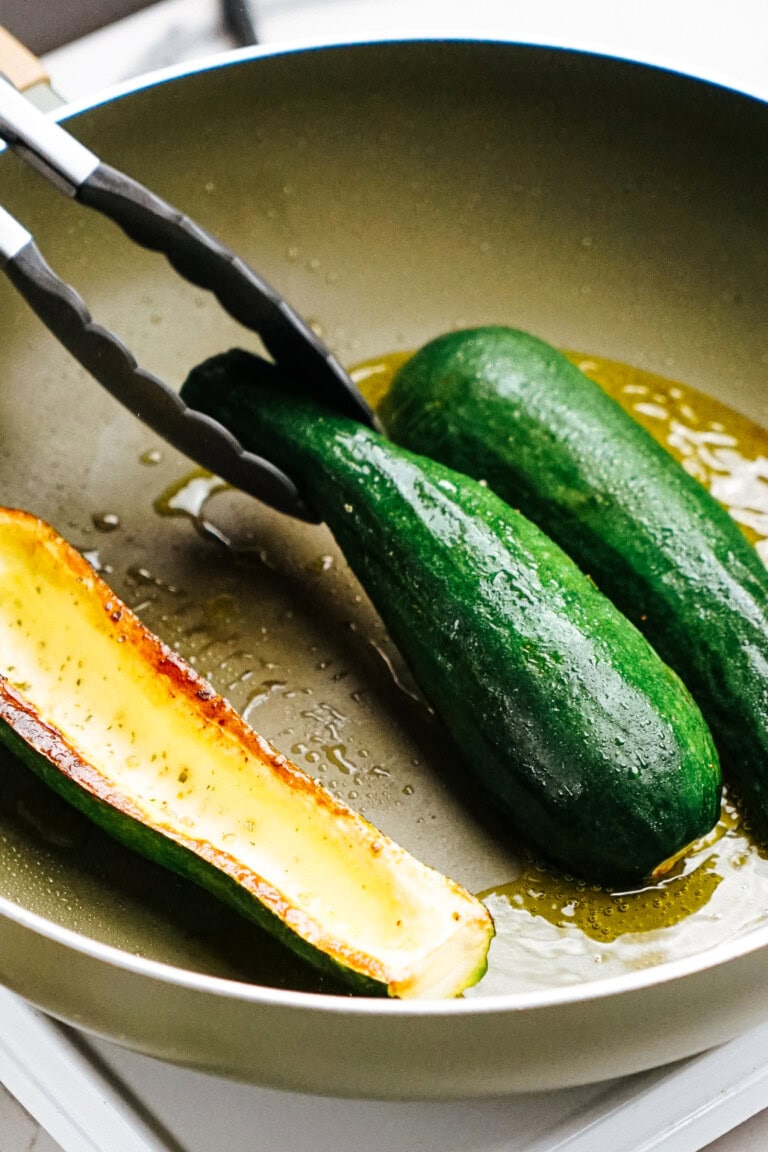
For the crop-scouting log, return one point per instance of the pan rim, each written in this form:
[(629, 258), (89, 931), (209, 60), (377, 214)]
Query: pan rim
[(160, 76), (296, 1000), (225, 988)]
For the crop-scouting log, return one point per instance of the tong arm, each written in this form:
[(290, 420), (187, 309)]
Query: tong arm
[(64, 161), (197, 255), (64, 312)]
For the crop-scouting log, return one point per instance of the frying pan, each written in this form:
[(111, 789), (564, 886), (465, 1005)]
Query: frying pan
[(391, 192)]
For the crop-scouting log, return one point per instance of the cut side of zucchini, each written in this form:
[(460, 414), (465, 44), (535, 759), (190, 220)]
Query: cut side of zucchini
[(125, 730)]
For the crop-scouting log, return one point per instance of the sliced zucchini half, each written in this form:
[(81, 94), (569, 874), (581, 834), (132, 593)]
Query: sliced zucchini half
[(127, 732)]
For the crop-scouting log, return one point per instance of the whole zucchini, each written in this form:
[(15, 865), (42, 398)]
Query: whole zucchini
[(588, 745), (504, 406), (128, 733)]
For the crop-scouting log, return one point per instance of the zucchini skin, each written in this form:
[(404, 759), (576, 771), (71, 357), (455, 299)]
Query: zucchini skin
[(589, 747), (500, 404)]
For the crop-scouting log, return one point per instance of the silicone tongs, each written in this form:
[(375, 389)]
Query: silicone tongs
[(197, 256)]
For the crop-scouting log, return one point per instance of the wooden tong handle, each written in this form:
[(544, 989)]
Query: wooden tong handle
[(18, 64)]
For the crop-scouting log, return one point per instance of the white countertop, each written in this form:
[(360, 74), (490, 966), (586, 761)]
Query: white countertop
[(726, 41)]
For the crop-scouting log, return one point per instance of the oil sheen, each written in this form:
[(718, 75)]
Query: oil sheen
[(553, 930)]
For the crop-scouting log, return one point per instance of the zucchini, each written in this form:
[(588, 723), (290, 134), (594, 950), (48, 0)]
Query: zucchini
[(583, 741), (128, 733), (502, 405)]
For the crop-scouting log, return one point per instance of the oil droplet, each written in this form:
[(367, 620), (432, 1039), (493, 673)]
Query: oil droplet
[(105, 521), (655, 411), (260, 695), (94, 560), (320, 565), (221, 613), (399, 683), (140, 575), (337, 754), (242, 678), (330, 720), (151, 457), (187, 496)]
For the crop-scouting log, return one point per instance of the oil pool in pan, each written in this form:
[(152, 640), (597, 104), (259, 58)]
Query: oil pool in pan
[(551, 930)]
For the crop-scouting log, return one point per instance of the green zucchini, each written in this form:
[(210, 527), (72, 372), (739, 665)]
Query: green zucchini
[(586, 744), (127, 732), (504, 406)]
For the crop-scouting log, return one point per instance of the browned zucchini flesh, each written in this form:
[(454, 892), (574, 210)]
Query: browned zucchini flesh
[(125, 730)]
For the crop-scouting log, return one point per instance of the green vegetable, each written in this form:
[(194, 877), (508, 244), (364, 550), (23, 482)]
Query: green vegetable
[(128, 733), (586, 744), (499, 404)]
